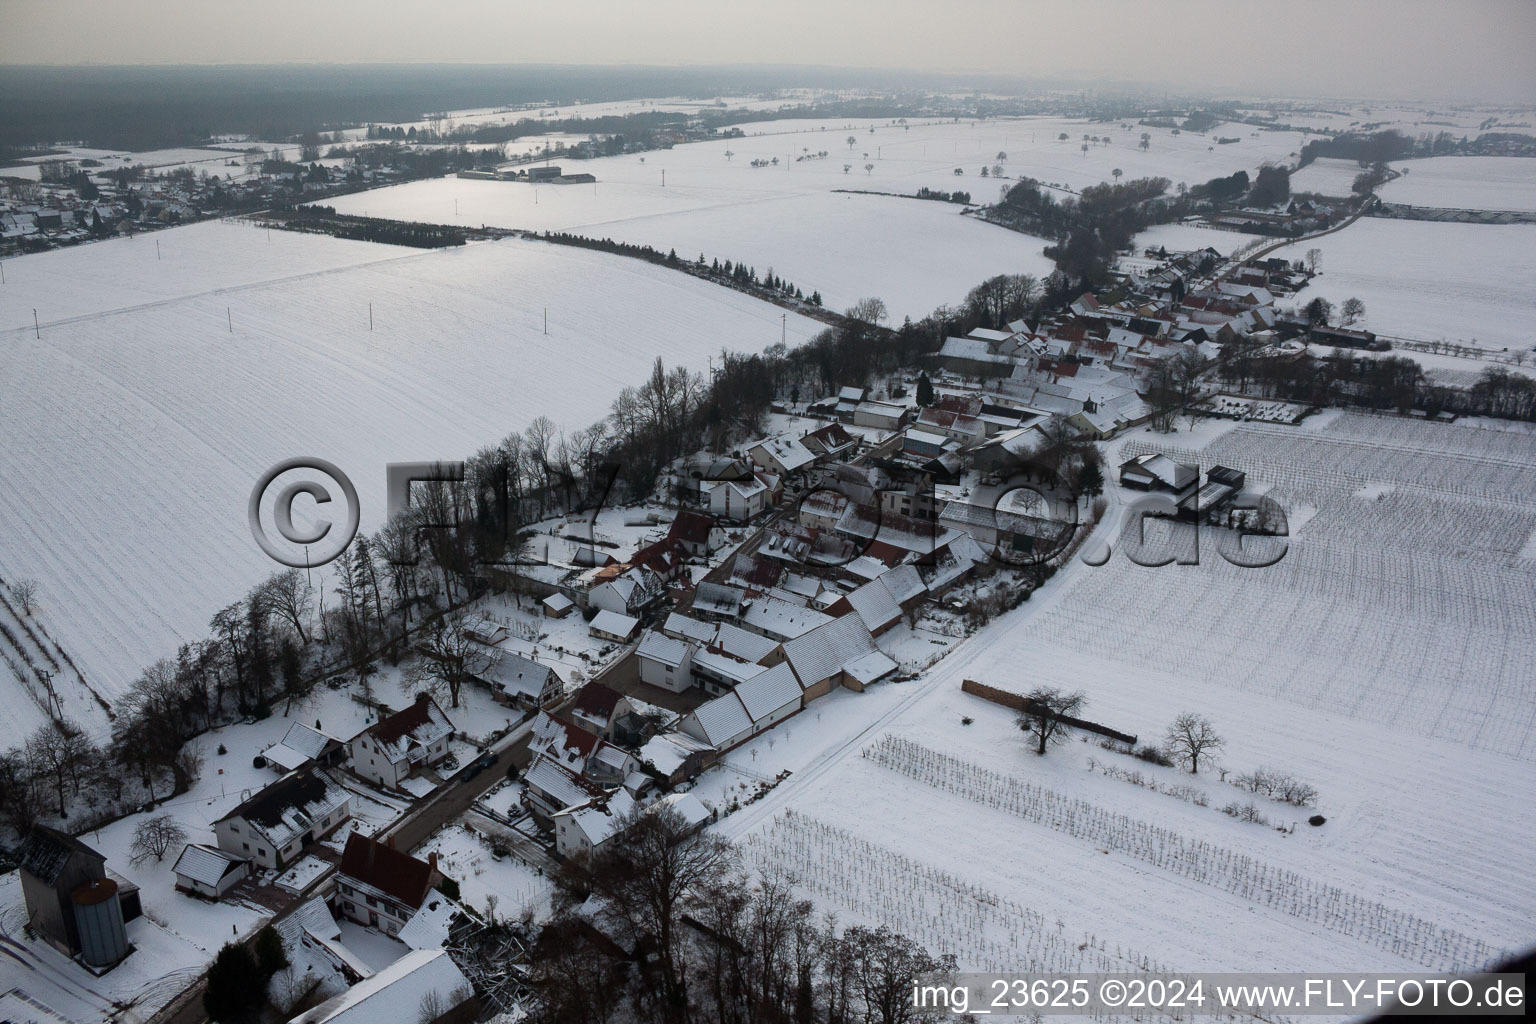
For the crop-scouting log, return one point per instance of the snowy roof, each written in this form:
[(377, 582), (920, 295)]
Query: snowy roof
[(770, 691), (721, 720), (689, 806), (717, 598), (205, 864), (284, 810), (683, 627), (743, 643), (667, 751), (870, 667), (875, 604), (717, 663), (558, 782), (613, 623), (558, 602), (781, 619), (429, 927), (395, 993), (787, 451), (599, 818), (420, 725), (514, 674), (825, 651), (311, 916), (298, 745), (567, 743), (865, 567), (659, 647)]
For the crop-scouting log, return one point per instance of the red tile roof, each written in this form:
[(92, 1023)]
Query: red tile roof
[(397, 874)]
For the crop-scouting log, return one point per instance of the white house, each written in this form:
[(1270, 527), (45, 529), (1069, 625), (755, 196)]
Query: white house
[(388, 751), (739, 500), (782, 455), (628, 593), (273, 827), (880, 415), (208, 871), (381, 887), (665, 661)]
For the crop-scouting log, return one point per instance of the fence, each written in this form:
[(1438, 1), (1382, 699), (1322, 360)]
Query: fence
[(1018, 702)]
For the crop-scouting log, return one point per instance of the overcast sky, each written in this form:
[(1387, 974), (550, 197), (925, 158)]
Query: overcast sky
[(1387, 48)]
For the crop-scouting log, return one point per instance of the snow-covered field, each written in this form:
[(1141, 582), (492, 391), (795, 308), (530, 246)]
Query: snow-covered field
[(1465, 183), (915, 255), (136, 429), (1387, 660), (1327, 176), (1432, 281)]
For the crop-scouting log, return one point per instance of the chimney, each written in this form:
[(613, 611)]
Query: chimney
[(432, 860), (391, 842)]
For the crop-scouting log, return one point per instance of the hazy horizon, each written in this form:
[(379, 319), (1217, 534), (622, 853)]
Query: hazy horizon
[(1390, 49)]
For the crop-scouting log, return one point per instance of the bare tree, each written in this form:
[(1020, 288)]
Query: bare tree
[(289, 593), (1190, 738), (25, 593), (1353, 310), (154, 837), (1043, 713), (449, 657), (1314, 260), (642, 877), (871, 310)]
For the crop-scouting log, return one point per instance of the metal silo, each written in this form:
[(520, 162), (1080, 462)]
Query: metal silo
[(99, 918)]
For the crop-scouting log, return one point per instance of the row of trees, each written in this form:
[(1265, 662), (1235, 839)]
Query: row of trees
[(711, 943), (1092, 228)]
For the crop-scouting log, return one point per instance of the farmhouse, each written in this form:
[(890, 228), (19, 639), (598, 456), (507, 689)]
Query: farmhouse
[(842, 651), (758, 704), (782, 455), (381, 887), (273, 827), (208, 871), (697, 534), (521, 681), (613, 626), (1160, 474), (390, 750)]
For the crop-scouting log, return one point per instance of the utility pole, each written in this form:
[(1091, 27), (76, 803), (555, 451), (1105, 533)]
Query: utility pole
[(2, 273), (546, 320), (370, 316), (36, 331), (663, 177), (157, 250), (783, 328), (230, 318)]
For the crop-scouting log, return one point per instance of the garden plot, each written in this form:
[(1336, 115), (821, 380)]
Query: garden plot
[(135, 437), (1386, 661), (1431, 281), (1465, 183)]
